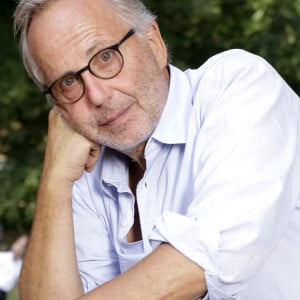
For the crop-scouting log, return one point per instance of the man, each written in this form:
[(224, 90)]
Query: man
[(10, 265), (195, 190)]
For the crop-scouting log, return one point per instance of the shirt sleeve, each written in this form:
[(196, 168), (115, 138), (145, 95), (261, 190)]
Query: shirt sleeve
[(244, 172), (96, 258)]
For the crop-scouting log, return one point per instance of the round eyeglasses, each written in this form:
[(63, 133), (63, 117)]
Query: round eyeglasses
[(105, 64)]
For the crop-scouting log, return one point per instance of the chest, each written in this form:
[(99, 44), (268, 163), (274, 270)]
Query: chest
[(133, 206)]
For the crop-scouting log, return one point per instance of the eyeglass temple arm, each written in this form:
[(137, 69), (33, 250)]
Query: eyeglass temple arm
[(127, 35)]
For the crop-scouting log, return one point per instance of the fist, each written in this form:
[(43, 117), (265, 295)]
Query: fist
[(68, 153)]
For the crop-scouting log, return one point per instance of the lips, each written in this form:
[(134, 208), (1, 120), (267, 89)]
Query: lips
[(117, 118)]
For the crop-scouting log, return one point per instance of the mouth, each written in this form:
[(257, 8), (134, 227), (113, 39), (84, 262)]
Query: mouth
[(118, 118)]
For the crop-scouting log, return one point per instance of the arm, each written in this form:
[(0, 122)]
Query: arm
[(50, 262), (164, 274)]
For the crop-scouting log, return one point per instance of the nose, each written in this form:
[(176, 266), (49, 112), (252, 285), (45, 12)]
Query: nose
[(97, 90)]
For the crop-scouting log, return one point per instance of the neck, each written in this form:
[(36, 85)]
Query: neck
[(137, 156)]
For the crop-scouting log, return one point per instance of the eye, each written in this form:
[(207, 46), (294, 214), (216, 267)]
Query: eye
[(107, 63), (68, 81), (106, 56), (66, 85)]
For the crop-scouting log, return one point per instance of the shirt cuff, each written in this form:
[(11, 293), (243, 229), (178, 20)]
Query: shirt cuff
[(196, 238)]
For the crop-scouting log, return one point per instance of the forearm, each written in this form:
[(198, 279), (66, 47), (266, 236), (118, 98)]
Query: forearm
[(164, 274), (50, 266), (50, 269)]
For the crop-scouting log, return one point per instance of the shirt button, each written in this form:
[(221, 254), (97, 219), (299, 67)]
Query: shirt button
[(145, 184), (124, 223)]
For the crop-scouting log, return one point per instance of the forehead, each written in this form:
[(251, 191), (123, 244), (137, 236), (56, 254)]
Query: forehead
[(64, 35)]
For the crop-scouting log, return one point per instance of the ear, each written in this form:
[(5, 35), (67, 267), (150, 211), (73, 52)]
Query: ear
[(157, 45)]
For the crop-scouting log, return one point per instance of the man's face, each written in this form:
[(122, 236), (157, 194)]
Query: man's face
[(120, 112)]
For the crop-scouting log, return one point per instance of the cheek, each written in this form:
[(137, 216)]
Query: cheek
[(72, 114), (136, 69)]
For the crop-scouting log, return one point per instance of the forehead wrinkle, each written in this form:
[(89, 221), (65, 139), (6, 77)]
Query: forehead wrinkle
[(88, 38)]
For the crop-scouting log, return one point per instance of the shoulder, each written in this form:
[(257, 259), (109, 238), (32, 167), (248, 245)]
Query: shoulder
[(238, 83), (237, 56), (227, 66), (235, 76)]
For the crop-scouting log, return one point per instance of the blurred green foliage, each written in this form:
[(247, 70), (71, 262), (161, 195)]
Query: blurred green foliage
[(197, 29), (193, 29), (23, 124)]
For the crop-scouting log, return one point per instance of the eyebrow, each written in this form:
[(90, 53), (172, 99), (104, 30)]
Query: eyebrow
[(91, 50), (99, 45)]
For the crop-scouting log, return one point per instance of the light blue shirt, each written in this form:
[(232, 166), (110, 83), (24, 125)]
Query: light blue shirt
[(222, 185)]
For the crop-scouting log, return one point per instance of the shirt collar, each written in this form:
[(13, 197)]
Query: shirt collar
[(172, 126), (114, 170)]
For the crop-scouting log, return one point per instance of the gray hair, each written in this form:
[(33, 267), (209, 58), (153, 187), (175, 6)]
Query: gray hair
[(132, 12)]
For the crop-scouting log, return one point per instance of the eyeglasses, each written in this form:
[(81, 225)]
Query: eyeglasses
[(105, 64)]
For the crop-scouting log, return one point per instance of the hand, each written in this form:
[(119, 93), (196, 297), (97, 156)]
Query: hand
[(68, 153)]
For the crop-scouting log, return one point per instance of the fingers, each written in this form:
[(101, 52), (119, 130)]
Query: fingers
[(92, 158), (69, 151)]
